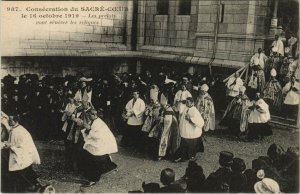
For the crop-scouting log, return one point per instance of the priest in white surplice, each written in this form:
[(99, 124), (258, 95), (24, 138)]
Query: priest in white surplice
[(190, 126), (22, 155), (277, 46), (99, 143), (135, 109), (180, 99), (258, 120), (233, 84)]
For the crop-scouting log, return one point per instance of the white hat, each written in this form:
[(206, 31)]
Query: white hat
[(267, 185), (86, 96), (84, 79), (256, 61), (163, 99), (204, 87), (66, 83), (169, 81), (273, 73), (77, 96), (260, 174), (195, 88), (154, 93), (242, 89)]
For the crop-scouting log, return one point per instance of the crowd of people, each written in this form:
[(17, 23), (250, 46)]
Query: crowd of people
[(277, 172), (162, 115)]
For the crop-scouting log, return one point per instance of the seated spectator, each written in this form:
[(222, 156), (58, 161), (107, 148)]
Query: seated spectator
[(266, 185), (151, 187), (275, 152), (238, 180), (287, 167), (216, 179), (194, 177), (167, 178)]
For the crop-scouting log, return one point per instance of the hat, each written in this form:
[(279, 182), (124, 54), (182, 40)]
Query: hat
[(242, 89), (163, 99), (260, 174), (78, 96), (169, 81), (226, 158), (154, 93), (87, 96), (275, 150), (267, 185), (195, 88), (204, 87), (258, 164), (273, 73), (256, 61), (84, 79), (238, 165)]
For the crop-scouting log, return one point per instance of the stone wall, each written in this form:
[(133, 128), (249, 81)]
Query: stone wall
[(61, 66), (86, 38), (172, 29), (190, 38), (172, 37)]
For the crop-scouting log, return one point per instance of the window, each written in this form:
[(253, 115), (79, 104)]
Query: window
[(184, 7), (221, 17), (162, 7)]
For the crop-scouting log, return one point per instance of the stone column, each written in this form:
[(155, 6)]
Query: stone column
[(274, 20), (141, 23), (129, 25)]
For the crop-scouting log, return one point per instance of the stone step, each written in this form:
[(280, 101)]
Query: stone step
[(283, 126), (284, 123), (283, 120)]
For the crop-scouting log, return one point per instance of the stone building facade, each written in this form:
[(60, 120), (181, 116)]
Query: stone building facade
[(222, 33)]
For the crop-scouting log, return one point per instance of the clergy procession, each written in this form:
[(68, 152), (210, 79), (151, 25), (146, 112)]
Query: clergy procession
[(165, 116)]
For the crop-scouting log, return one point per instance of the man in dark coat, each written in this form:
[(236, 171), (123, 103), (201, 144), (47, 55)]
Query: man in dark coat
[(286, 164), (222, 176), (167, 178), (36, 111), (194, 177), (238, 180), (14, 105)]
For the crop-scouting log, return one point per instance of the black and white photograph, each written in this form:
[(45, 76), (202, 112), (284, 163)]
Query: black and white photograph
[(150, 96)]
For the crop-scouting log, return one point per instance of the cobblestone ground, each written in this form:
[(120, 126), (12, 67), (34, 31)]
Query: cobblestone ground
[(134, 168)]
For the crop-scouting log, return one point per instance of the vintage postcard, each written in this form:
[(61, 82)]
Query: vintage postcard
[(150, 96)]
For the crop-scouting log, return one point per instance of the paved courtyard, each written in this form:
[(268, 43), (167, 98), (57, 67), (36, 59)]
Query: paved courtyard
[(134, 168)]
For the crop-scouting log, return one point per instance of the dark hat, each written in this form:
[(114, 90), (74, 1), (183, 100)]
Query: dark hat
[(226, 158), (258, 164), (193, 170), (266, 159), (275, 150), (238, 165)]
